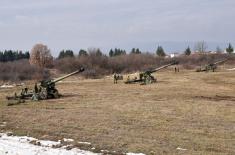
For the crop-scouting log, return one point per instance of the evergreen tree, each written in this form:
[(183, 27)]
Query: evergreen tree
[(160, 51), (61, 55), (111, 53), (82, 53), (20, 55), (137, 51), (1, 56), (123, 52), (98, 52), (69, 53), (26, 55), (187, 51), (133, 51), (116, 52), (229, 50), (10, 55), (64, 54)]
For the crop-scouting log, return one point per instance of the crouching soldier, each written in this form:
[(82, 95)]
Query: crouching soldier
[(35, 96)]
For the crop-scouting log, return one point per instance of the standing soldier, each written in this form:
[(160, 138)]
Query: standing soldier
[(177, 69), (115, 78), (36, 88)]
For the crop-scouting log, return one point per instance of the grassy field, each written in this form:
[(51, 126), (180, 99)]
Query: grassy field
[(193, 111)]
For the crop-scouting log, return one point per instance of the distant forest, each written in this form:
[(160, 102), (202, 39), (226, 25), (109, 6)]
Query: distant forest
[(18, 65), (10, 55)]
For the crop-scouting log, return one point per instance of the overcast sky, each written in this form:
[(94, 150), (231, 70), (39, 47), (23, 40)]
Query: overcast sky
[(105, 24)]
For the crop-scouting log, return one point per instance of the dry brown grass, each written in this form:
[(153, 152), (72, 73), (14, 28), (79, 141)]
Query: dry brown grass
[(195, 111)]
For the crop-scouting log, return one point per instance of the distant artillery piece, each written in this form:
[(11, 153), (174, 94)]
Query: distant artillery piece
[(210, 67), (45, 91), (147, 77)]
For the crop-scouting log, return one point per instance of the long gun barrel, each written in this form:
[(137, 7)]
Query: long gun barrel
[(46, 83), (211, 66), (68, 75), (221, 61), (162, 67), (146, 76)]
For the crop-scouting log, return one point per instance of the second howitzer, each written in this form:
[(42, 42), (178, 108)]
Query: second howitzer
[(211, 67), (45, 90), (147, 77)]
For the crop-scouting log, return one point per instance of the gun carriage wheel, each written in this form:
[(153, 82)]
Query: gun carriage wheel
[(43, 94)]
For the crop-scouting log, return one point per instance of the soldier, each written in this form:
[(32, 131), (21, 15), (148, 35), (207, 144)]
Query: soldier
[(24, 91), (35, 96), (177, 69), (35, 88), (115, 78), (128, 78)]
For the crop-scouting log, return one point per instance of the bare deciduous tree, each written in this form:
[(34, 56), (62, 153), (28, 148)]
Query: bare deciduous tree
[(41, 56), (201, 46), (94, 51), (218, 50)]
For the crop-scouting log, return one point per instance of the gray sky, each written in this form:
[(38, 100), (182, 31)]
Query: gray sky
[(75, 24)]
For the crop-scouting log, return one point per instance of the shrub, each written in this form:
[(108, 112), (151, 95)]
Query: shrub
[(21, 70), (98, 66)]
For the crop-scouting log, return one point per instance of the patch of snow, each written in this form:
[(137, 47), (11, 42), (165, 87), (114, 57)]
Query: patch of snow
[(25, 139), (86, 143), (21, 84), (68, 140), (104, 151), (7, 86), (3, 124), (179, 148), (48, 143), (66, 146), (232, 69), (13, 145)]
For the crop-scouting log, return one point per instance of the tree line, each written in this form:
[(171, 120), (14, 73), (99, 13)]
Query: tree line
[(41, 55), (200, 47), (112, 53), (97, 64), (10, 55)]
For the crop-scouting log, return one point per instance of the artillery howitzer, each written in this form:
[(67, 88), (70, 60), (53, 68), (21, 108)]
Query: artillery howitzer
[(147, 77), (46, 89), (210, 67)]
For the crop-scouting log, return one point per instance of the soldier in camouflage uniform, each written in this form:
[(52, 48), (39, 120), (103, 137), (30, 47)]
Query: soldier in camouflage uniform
[(115, 77)]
